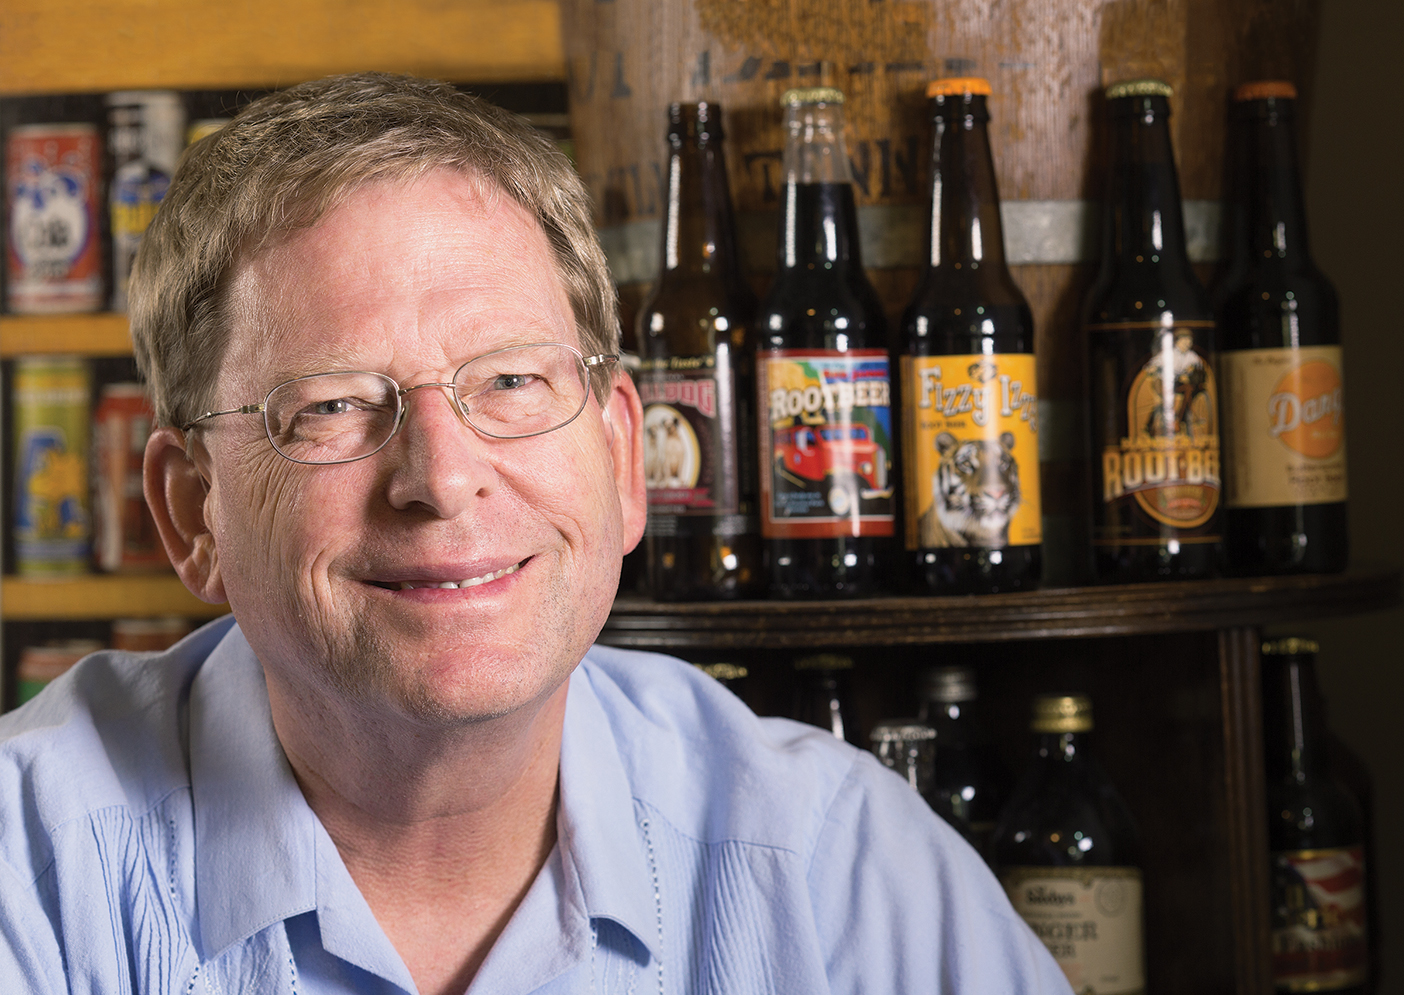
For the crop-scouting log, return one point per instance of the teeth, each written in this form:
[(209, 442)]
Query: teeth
[(406, 585)]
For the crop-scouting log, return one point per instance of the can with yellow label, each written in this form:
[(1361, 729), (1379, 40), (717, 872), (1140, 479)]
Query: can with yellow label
[(52, 517)]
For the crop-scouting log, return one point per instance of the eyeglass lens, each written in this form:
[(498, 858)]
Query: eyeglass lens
[(510, 393)]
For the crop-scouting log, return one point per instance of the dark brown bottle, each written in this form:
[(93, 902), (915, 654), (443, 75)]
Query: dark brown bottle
[(1316, 834), (969, 391), (824, 396), (1151, 343), (1066, 852), (1279, 318), (697, 383), (822, 696)]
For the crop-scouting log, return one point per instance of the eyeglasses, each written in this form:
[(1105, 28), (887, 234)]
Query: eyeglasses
[(511, 393)]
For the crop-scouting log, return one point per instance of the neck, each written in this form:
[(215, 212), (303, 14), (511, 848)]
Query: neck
[(1269, 218), (966, 232), (442, 829), (1145, 224)]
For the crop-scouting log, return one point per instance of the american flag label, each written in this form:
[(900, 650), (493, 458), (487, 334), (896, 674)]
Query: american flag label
[(1318, 919)]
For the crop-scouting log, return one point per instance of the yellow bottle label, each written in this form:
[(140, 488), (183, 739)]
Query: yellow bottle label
[(1169, 459), (971, 451), (1284, 426), (1090, 920)]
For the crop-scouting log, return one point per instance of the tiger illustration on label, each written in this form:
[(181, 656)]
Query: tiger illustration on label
[(975, 493)]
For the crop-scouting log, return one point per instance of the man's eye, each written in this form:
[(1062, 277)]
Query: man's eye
[(511, 381), (336, 406)]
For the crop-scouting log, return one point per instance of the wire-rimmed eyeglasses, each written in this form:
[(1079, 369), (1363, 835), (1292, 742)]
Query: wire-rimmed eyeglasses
[(510, 393)]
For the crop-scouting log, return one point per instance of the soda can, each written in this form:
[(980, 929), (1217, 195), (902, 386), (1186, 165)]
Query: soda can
[(145, 635), (52, 412), (54, 245), (145, 135), (38, 665), (124, 533)]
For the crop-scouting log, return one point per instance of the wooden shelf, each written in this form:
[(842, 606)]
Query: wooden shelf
[(101, 334), (101, 596), (1133, 609), (73, 46)]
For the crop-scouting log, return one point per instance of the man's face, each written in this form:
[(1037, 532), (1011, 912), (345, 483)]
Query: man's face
[(412, 281)]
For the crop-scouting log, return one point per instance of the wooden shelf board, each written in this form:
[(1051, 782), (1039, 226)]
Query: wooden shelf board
[(74, 46), (100, 597), (102, 334), (1134, 609)]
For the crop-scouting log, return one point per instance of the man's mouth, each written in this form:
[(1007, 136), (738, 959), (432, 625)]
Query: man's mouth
[(450, 585)]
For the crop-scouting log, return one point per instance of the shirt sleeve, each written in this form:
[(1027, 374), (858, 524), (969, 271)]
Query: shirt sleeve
[(30, 959), (903, 904)]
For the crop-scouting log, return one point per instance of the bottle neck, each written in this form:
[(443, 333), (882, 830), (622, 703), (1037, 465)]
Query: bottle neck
[(698, 230), (819, 219), (954, 722), (966, 234), (1062, 748), (1294, 719), (1143, 224), (1268, 210)]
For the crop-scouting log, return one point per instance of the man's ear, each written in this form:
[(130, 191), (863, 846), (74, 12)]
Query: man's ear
[(623, 416), (176, 490)]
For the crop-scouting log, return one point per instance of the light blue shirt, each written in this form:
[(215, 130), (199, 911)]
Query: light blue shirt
[(154, 840)]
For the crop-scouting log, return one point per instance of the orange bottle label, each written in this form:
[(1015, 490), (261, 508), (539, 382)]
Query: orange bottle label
[(971, 451), (1284, 414)]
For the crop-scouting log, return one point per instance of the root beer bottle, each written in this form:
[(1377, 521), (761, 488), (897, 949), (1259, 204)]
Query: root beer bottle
[(1066, 852), (702, 539), (824, 392), (969, 393), (1284, 416), (1316, 834), (1151, 343)]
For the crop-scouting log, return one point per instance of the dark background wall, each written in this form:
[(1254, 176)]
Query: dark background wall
[(1355, 196)]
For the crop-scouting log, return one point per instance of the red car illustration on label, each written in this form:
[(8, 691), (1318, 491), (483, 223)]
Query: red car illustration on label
[(842, 459)]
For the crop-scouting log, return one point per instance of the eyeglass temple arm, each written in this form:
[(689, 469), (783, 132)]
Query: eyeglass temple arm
[(247, 409)]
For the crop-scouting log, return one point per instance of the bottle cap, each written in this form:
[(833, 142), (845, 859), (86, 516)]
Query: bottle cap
[(1290, 646), (901, 731), (955, 86), (1062, 713), (1264, 88), (1140, 88), (824, 661), (811, 95), (949, 684), (723, 671)]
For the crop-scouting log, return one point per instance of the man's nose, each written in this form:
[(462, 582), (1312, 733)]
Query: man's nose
[(442, 462)]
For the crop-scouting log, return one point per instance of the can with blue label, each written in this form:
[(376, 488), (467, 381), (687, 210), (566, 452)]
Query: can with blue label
[(53, 521)]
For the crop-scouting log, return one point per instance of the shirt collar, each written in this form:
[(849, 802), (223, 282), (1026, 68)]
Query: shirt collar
[(605, 860), (255, 836)]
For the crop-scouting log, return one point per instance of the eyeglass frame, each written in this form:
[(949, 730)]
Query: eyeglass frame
[(587, 363)]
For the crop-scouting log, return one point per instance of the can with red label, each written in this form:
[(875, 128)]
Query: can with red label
[(54, 242), (124, 533)]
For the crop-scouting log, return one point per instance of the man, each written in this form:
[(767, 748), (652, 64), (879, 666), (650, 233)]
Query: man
[(380, 338)]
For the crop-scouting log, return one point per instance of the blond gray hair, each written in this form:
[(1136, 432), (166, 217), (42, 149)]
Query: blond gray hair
[(289, 158)]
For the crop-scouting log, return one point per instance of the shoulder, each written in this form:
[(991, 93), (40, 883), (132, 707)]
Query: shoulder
[(108, 733)]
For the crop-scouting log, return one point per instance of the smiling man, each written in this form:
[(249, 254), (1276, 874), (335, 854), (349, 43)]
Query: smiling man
[(381, 341)]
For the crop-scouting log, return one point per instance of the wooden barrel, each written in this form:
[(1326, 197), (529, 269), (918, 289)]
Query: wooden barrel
[(1047, 62)]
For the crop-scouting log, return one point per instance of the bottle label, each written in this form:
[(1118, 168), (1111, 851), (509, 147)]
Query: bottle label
[(690, 446), (1318, 919), (828, 435), (1284, 426), (971, 451), (1090, 920), (1168, 460)]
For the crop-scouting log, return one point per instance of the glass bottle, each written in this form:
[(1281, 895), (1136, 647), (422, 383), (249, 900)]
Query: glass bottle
[(969, 391), (702, 539), (824, 395), (1316, 834), (822, 697), (1066, 852), (969, 779), (1151, 344), (1284, 416), (907, 746)]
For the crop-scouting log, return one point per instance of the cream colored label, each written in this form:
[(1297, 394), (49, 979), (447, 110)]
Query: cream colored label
[(971, 448), (1090, 920), (1284, 418)]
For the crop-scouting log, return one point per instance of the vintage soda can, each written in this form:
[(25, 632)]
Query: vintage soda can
[(54, 244), (38, 665), (124, 533), (52, 412), (145, 135), (146, 635)]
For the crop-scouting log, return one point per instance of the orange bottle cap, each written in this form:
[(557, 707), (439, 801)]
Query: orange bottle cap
[(1262, 89), (956, 86)]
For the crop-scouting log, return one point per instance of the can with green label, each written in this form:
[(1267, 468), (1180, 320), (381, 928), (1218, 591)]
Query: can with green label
[(53, 522)]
